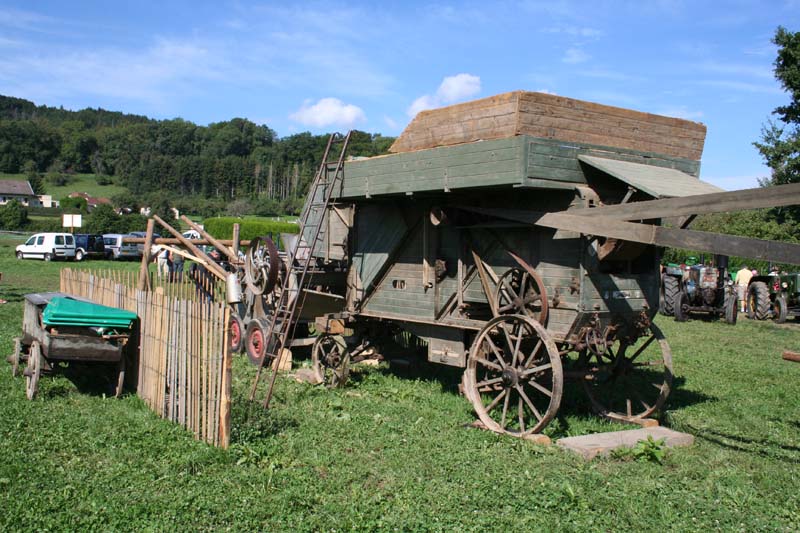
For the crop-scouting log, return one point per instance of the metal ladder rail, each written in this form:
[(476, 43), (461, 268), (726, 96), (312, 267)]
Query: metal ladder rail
[(280, 325)]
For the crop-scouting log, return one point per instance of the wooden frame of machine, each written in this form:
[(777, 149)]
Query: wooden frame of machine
[(518, 237)]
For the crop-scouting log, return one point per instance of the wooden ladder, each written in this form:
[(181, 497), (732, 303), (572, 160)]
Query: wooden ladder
[(328, 178)]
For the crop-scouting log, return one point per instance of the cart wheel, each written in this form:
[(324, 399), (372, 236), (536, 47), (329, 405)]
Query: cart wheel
[(519, 292), (330, 360), (513, 376), (15, 357), (262, 265), (120, 375), (235, 333), (33, 370), (629, 387)]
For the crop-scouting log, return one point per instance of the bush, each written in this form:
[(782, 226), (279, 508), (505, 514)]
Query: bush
[(222, 227), (40, 225), (13, 216), (102, 179)]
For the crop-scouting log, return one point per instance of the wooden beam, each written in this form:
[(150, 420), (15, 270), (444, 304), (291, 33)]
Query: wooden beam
[(212, 267), (718, 202), (173, 241), (235, 244), (144, 272), (715, 243), (214, 242)]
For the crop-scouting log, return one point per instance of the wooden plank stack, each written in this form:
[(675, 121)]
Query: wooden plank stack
[(549, 116), (184, 366)]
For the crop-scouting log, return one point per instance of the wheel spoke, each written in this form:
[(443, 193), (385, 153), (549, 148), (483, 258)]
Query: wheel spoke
[(491, 365), (642, 347), (536, 369), (528, 401), (505, 410), (487, 382), (516, 349), (533, 353), (496, 401), (496, 351), (540, 388), (521, 414)]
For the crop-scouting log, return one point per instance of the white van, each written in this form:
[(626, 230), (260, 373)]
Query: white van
[(116, 249), (48, 246)]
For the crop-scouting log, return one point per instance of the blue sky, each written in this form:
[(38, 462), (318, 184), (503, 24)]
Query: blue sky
[(325, 66)]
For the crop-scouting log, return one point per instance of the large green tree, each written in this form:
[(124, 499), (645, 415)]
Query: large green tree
[(780, 143)]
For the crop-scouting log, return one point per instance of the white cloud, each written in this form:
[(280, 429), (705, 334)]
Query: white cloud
[(546, 91), (680, 112), (328, 112), (452, 89), (390, 122), (575, 55)]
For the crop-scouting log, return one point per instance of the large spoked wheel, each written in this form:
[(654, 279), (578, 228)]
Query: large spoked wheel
[(520, 292), (262, 265), (514, 377), (629, 382), (235, 334), (330, 360), (16, 357), (255, 342), (33, 370)]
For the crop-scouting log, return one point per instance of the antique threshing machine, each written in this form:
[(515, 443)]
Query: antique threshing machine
[(518, 237)]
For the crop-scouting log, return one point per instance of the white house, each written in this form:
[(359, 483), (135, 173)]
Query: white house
[(20, 191)]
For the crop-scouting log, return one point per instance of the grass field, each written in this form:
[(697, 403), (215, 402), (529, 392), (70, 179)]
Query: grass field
[(80, 183), (393, 451)]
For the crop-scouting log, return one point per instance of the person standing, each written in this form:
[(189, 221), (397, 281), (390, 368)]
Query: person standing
[(743, 277), (176, 268), (163, 263)]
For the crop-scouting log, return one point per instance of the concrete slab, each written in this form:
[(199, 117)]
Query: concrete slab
[(590, 446)]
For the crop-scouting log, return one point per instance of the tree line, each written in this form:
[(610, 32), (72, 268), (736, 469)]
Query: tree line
[(222, 162)]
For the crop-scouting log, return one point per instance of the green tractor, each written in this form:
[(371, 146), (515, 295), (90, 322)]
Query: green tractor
[(774, 296), (671, 276)]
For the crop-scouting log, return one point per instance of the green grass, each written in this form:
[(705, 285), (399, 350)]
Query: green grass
[(394, 452), (79, 183)]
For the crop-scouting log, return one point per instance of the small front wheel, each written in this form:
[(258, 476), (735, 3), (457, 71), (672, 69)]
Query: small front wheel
[(79, 255), (20, 255), (779, 311), (48, 257)]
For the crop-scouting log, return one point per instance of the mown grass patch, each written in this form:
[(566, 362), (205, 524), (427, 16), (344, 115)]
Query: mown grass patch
[(394, 450)]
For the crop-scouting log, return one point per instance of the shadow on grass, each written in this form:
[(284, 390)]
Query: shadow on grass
[(95, 379), (250, 422), (788, 453)]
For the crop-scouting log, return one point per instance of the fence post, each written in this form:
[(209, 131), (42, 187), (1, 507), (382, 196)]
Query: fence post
[(148, 243), (225, 399)]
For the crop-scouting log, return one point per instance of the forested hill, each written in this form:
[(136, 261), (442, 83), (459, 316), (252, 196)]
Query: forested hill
[(224, 161)]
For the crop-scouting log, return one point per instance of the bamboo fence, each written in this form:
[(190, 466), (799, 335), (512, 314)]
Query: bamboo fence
[(184, 366)]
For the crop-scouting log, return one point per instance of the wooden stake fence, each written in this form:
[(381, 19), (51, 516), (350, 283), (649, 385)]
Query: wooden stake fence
[(184, 364)]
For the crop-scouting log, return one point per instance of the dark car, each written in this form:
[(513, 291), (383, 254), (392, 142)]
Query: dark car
[(89, 246)]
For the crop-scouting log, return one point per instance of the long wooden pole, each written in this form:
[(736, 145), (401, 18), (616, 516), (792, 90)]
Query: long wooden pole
[(144, 279), (218, 245), (210, 264), (236, 230)]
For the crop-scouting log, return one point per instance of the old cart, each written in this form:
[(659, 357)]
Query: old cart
[(58, 328), (506, 235)]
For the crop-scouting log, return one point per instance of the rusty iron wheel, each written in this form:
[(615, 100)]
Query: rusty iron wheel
[(235, 334), (330, 360), (255, 342), (262, 265), (33, 370), (630, 381), (519, 292), (514, 377)]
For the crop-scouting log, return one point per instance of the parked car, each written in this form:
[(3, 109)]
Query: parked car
[(116, 249), (142, 235), (48, 246), (89, 246)]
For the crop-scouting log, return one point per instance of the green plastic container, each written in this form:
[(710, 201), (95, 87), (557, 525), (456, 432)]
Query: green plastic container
[(71, 312)]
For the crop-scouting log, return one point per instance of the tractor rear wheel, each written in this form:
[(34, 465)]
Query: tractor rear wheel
[(669, 288), (758, 304)]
